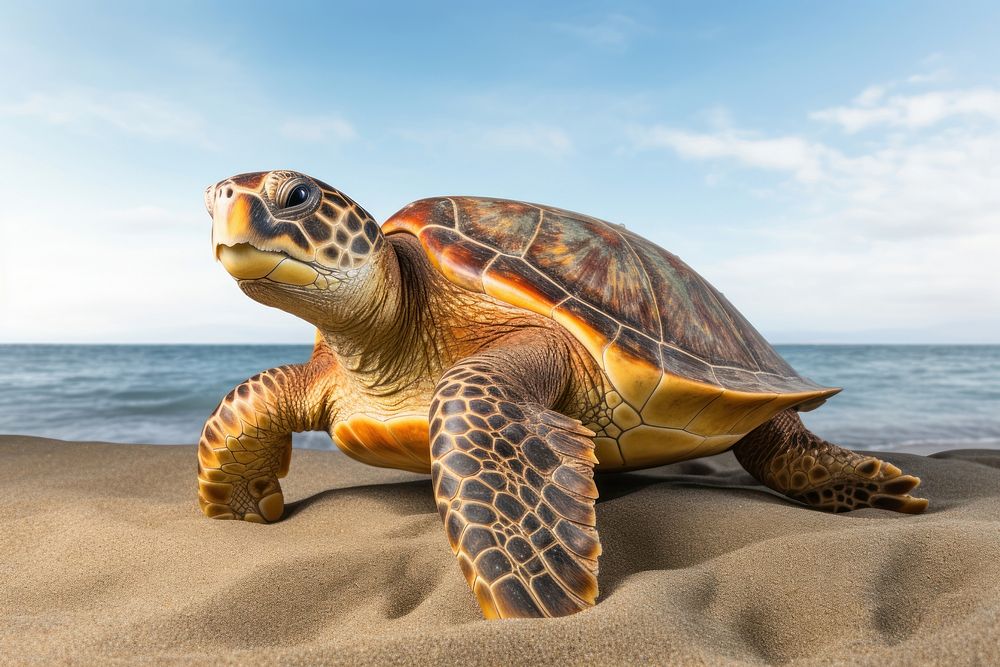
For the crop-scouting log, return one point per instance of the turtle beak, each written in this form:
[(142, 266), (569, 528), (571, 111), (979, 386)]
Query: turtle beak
[(220, 200)]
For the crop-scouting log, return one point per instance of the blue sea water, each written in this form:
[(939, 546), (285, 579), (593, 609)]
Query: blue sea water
[(895, 397)]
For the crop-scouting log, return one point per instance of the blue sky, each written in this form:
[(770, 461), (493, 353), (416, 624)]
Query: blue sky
[(831, 167)]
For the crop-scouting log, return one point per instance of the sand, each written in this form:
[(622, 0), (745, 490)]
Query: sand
[(105, 558)]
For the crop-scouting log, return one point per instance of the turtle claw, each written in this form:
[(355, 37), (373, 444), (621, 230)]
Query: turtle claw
[(888, 471), (901, 485), (905, 504), (894, 492)]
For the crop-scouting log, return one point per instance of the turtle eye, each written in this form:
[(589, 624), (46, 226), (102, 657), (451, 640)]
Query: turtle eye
[(298, 195)]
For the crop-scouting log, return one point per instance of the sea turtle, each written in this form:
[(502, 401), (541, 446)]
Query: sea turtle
[(510, 350)]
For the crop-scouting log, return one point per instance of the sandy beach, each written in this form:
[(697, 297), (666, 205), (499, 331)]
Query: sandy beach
[(106, 558)]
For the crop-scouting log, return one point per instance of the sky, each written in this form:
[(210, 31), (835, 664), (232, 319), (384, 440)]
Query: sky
[(831, 167)]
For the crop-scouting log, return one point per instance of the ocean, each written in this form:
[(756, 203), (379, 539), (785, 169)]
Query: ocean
[(896, 397)]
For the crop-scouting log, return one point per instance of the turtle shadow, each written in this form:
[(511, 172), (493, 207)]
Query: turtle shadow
[(618, 485), (721, 472), (399, 498)]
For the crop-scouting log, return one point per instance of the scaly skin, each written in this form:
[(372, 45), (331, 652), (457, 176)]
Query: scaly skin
[(785, 456), (246, 444), (513, 479), (508, 410)]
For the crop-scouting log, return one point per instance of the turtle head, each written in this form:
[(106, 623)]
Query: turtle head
[(292, 241)]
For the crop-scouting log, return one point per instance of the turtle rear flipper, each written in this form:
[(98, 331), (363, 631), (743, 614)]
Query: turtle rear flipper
[(514, 483), (785, 456)]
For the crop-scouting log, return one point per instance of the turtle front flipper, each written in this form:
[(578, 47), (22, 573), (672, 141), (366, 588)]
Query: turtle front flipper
[(246, 444), (784, 455), (513, 481)]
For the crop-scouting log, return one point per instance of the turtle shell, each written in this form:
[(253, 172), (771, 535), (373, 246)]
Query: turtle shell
[(670, 343)]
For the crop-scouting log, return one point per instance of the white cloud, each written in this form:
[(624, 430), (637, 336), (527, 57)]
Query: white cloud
[(134, 113), (933, 76), (940, 185), (613, 31), (791, 154), (917, 111), (870, 95), (322, 129), (902, 234)]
